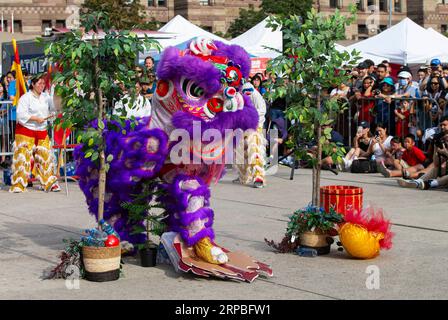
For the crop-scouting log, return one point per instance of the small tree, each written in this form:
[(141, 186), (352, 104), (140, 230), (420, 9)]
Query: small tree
[(123, 14), (250, 17), (87, 83), (310, 63)]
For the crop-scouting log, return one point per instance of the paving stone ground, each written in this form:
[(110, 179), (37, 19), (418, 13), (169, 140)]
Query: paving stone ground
[(33, 225)]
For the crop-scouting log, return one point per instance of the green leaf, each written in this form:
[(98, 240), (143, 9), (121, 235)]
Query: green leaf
[(95, 156), (88, 154), (101, 125), (110, 158), (91, 141)]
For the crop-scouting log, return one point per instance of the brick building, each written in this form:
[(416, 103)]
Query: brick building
[(33, 16), (429, 13)]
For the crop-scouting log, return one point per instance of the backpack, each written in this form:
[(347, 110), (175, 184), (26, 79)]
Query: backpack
[(363, 166)]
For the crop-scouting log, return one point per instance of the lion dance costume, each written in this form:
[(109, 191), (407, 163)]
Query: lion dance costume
[(198, 91), (365, 232), (250, 164)]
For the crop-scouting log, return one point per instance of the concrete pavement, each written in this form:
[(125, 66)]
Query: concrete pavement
[(32, 227)]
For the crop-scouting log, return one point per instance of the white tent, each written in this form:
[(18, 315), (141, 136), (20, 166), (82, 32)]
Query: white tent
[(183, 30), (443, 40), (403, 43), (258, 37), (376, 59)]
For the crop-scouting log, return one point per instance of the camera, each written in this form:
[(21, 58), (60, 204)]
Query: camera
[(376, 92), (377, 134), (438, 140)]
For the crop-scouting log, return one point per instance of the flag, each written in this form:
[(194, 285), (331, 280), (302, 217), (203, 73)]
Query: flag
[(20, 80)]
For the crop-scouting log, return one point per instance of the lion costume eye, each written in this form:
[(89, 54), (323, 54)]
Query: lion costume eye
[(191, 89)]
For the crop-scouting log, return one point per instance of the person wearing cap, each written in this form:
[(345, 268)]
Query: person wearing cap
[(149, 85), (404, 88), (385, 106), (435, 72), (361, 146)]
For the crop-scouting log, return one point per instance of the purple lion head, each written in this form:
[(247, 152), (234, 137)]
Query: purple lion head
[(205, 82)]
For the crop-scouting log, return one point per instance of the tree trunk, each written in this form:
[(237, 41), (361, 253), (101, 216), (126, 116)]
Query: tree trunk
[(316, 167), (101, 148)]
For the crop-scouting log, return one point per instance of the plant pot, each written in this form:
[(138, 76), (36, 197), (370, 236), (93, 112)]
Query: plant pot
[(315, 240), (341, 198), (101, 264), (148, 257)]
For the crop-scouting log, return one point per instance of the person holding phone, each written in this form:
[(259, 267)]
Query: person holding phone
[(31, 140), (381, 145)]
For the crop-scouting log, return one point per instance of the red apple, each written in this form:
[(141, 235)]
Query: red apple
[(111, 241)]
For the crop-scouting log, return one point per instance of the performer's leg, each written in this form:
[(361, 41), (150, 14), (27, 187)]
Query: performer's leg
[(241, 162), (256, 157), (21, 163), (187, 203), (44, 164)]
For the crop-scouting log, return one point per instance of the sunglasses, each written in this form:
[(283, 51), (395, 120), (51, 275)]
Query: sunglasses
[(434, 83)]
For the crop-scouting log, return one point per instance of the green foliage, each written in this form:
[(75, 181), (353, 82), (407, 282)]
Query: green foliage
[(312, 219), (310, 63), (250, 17), (123, 14), (286, 8), (80, 83), (246, 20), (141, 209), (70, 257)]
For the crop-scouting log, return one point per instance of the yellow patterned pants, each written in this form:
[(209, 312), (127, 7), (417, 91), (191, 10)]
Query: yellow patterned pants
[(252, 168), (32, 146)]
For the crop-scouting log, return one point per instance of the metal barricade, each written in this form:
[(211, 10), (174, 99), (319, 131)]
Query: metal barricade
[(7, 128), (423, 114)]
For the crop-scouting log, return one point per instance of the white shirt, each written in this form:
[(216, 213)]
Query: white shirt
[(141, 108), (30, 105), (377, 151)]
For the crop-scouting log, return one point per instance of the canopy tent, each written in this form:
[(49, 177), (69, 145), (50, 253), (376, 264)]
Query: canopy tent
[(180, 32), (183, 30), (364, 56), (403, 43), (258, 37), (442, 39)]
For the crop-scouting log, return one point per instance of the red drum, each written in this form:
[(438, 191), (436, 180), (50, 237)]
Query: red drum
[(341, 198)]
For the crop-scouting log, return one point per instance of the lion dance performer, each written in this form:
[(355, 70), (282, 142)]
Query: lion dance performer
[(32, 142), (199, 91), (250, 164)]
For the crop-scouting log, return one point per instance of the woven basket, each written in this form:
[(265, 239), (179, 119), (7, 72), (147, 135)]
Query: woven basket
[(313, 239), (102, 263)]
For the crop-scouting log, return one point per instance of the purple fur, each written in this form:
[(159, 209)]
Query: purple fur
[(235, 53), (174, 66), (191, 241), (186, 218)]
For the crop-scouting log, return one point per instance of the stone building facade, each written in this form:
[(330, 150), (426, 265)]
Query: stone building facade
[(372, 15), (32, 16), (430, 13)]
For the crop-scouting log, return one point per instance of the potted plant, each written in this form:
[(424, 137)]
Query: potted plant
[(147, 222), (310, 227), (309, 64), (91, 61)]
